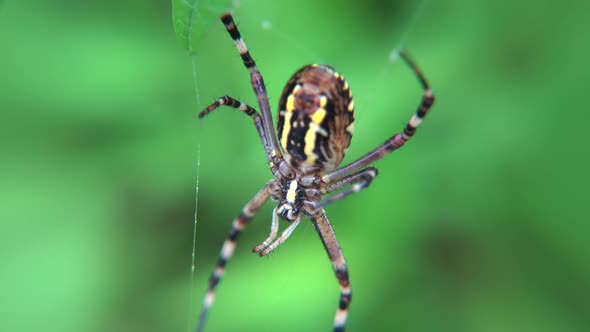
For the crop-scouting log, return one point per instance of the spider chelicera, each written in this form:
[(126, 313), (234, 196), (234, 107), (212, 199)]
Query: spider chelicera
[(315, 126)]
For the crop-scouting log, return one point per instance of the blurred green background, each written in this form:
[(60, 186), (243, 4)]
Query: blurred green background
[(479, 224)]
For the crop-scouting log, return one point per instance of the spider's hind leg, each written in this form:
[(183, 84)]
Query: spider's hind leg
[(228, 248), (358, 181), (326, 233)]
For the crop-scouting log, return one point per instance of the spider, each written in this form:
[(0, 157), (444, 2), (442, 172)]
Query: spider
[(315, 126)]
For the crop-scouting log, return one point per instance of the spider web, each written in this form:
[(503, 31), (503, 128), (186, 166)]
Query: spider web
[(389, 58)]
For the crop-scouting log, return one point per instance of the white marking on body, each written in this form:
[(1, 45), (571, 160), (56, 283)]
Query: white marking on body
[(415, 121), (246, 213), (228, 249), (351, 105), (241, 46), (292, 192), (345, 290), (219, 271), (238, 225), (209, 298), (320, 130), (350, 128), (356, 187), (340, 318), (243, 107), (339, 263)]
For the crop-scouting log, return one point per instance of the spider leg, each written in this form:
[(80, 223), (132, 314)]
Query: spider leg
[(284, 236), (274, 230), (234, 103), (359, 180), (257, 85), (326, 233), (228, 248), (397, 140)]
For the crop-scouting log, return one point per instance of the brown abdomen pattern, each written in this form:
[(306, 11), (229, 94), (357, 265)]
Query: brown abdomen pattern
[(316, 118)]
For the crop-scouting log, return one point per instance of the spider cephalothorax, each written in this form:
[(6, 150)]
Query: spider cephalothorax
[(315, 126), (292, 199)]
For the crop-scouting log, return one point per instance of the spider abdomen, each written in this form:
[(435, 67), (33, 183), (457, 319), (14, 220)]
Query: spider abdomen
[(316, 119)]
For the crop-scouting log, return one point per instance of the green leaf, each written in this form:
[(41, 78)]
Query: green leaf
[(191, 19)]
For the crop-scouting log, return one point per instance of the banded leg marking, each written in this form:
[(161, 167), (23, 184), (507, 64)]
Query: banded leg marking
[(234, 33), (427, 98), (358, 181), (397, 140), (228, 248), (232, 102), (272, 158), (328, 238), (258, 86)]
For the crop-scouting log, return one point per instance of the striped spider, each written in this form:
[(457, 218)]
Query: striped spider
[(315, 126)]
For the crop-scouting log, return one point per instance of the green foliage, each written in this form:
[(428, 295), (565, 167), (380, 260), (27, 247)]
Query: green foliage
[(479, 224), (192, 18)]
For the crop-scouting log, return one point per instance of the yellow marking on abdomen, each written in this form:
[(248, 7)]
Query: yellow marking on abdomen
[(351, 105), (292, 193), (310, 137), (286, 130), (318, 116), (290, 103), (350, 128)]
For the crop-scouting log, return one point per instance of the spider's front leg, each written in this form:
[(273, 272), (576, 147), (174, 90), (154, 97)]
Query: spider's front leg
[(324, 229), (227, 250), (248, 110), (397, 140), (271, 146), (276, 162)]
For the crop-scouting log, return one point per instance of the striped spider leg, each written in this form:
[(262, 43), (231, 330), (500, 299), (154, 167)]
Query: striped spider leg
[(263, 123), (358, 177), (276, 162), (397, 140), (315, 126), (229, 245), (324, 229)]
